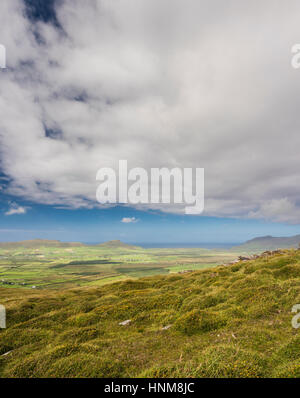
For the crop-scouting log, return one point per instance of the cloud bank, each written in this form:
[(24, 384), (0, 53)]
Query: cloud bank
[(161, 84)]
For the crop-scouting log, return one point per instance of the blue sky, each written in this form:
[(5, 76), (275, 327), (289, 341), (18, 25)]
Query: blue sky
[(90, 83), (99, 225)]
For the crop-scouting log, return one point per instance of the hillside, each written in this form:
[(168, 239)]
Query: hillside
[(36, 243), (114, 244), (227, 321), (269, 243)]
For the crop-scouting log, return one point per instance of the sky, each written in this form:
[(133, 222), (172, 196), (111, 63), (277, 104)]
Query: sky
[(199, 84)]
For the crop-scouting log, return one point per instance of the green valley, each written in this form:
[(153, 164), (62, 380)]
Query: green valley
[(56, 265)]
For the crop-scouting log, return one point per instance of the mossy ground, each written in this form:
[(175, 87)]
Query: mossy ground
[(230, 321)]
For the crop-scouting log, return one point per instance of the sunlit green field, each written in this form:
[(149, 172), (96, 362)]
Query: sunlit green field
[(52, 267)]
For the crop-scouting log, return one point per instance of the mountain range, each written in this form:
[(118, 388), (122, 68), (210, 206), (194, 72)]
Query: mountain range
[(254, 245)]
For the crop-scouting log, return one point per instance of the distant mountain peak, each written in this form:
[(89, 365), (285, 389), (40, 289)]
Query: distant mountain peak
[(269, 242)]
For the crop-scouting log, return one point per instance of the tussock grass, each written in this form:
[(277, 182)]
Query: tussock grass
[(232, 321)]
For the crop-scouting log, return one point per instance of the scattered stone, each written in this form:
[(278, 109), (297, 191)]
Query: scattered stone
[(277, 252), (8, 352), (124, 323), (267, 253), (255, 256), (241, 258)]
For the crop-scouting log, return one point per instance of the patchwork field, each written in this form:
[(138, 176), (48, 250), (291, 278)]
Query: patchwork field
[(68, 267)]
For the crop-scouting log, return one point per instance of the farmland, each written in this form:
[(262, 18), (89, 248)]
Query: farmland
[(47, 267)]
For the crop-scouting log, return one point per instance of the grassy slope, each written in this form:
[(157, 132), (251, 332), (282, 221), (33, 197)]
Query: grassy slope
[(230, 321)]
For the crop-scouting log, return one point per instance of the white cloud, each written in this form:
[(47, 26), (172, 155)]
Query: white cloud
[(15, 209), (128, 220), (213, 87)]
